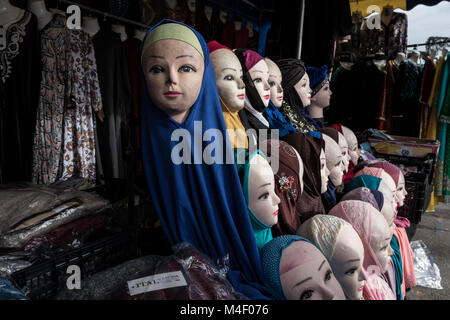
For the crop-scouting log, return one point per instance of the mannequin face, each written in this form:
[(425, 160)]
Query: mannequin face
[(228, 74), (173, 84), (305, 274), (322, 98), (324, 172), (191, 5), (388, 183), (381, 239), (276, 91), (401, 190), (172, 4), (388, 213), (334, 160), (263, 201), (347, 262), (352, 143), (303, 90), (250, 29), (260, 76), (301, 171), (223, 16), (344, 148)]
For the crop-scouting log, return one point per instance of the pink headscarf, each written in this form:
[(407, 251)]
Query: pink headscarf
[(391, 169), (251, 58), (358, 214), (376, 172)]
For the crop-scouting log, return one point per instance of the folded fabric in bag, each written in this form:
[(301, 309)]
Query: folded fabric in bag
[(30, 211), (185, 275)]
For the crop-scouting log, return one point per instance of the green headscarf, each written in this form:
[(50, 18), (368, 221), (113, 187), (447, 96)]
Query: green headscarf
[(262, 232)]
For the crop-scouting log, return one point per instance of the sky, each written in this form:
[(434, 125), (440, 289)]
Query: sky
[(424, 22)]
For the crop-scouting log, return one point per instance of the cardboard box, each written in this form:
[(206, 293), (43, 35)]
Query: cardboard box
[(405, 146)]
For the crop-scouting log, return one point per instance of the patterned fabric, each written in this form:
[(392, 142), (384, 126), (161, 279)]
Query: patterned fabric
[(79, 121), (299, 123), (54, 91)]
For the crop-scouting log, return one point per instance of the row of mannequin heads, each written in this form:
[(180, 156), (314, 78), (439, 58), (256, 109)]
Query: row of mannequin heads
[(333, 281)]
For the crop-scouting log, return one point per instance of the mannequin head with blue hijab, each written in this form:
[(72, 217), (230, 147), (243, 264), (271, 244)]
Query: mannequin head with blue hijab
[(197, 201), (296, 269)]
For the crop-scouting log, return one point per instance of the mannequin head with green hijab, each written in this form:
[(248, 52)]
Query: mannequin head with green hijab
[(173, 65), (258, 184)]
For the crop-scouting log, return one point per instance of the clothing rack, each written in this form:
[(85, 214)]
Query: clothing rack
[(425, 44), (106, 14)]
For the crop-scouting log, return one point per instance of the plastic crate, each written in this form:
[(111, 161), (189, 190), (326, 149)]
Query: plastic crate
[(44, 279)]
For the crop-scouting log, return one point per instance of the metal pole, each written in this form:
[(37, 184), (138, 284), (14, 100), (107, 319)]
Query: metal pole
[(300, 30), (106, 14)]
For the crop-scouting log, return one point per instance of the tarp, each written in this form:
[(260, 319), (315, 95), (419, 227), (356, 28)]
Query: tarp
[(363, 5)]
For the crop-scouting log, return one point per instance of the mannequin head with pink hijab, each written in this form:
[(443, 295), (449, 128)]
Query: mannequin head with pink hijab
[(375, 235)]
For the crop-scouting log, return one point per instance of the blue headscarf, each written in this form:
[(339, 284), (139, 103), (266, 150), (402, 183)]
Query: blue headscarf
[(363, 180), (271, 258), (277, 121), (398, 267), (199, 203)]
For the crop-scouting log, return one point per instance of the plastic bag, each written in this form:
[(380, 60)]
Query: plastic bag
[(9, 292), (427, 272), (185, 275), (30, 211)]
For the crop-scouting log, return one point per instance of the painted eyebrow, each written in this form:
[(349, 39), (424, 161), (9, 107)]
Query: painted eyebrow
[(267, 184), (387, 239), (321, 264), (185, 56), (299, 283), (229, 69), (353, 260)]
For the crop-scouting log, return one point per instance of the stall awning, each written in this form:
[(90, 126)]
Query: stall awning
[(363, 5)]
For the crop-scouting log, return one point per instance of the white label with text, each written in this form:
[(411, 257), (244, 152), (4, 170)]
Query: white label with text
[(156, 282)]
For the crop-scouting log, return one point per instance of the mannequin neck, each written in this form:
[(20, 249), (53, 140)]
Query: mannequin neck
[(90, 25), (8, 12), (139, 34), (41, 12), (315, 111), (120, 30)]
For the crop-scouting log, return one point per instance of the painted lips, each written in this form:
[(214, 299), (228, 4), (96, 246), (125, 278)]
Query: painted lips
[(241, 96), (275, 213), (361, 289), (267, 97), (172, 94), (279, 98)]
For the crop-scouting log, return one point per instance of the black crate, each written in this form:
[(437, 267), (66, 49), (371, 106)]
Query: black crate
[(44, 279)]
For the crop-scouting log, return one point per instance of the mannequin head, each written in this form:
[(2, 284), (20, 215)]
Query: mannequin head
[(295, 269), (223, 16), (324, 172), (352, 143), (208, 12), (388, 212), (249, 26), (172, 4), (228, 74), (401, 190), (262, 200), (372, 228), (191, 4), (344, 149), (303, 90), (275, 78), (334, 157), (381, 239), (306, 274), (342, 246), (321, 93), (387, 184), (173, 71), (259, 74)]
